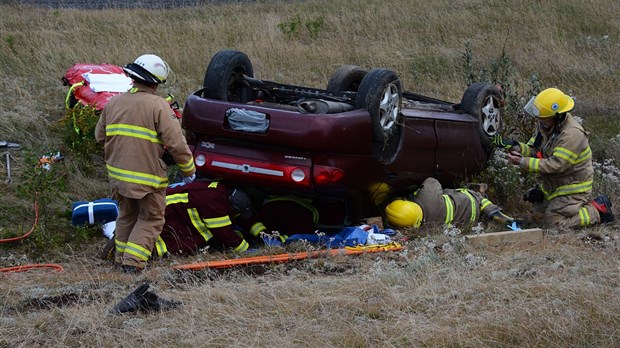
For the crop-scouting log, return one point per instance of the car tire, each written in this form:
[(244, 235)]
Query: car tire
[(381, 93), (346, 78), (224, 77), (484, 101)]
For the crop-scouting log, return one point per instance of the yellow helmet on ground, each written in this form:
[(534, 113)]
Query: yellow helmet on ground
[(402, 213), (549, 103), (378, 192)]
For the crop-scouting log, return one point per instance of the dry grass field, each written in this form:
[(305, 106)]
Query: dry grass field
[(440, 291)]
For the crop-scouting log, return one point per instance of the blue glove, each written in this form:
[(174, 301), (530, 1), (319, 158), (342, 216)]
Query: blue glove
[(514, 226), (176, 184), (189, 179)]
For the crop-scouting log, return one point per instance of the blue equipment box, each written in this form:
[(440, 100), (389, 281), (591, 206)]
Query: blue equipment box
[(96, 212)]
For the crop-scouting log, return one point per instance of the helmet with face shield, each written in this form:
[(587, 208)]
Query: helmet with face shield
[(549, 103)]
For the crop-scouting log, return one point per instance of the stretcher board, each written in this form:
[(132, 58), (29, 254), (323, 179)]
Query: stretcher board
[(529, 235)]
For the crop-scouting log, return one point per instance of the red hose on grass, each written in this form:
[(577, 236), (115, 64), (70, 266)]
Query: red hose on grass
[(36, 221), (25, 268)]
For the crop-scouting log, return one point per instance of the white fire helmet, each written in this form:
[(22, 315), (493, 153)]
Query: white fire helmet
[(148, 68)]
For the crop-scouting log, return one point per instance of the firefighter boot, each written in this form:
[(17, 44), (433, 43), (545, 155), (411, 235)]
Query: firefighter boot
[(534, 195), (603, 205), (132, 302), (108, 250)]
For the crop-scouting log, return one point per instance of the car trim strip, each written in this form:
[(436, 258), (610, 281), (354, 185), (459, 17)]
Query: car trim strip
[(246, 168)]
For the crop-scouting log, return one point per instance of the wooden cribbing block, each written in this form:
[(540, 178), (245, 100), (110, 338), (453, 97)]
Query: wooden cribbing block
[(529, 235)]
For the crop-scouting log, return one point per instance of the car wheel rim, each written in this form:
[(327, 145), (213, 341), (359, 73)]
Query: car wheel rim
[(490, 116), (389, 107)]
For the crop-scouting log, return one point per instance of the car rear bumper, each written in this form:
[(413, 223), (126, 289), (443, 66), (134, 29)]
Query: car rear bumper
[(349, 132)]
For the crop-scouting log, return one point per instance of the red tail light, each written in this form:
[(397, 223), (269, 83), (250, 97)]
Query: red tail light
[(327, 175), (253, 170)]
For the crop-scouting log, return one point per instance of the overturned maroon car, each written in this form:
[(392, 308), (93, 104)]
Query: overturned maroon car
[(337, 145)]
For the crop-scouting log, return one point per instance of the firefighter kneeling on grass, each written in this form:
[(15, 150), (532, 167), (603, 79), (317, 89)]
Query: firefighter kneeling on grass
[(199, 214), (559, 152)]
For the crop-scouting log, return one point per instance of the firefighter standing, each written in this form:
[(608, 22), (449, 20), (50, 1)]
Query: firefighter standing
[(199, 214), (134, 127), (432, 205), (560, 153)]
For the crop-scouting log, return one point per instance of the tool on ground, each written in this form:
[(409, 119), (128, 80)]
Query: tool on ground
[(47, 160), (7, 145), (7, 154), (8, 168)]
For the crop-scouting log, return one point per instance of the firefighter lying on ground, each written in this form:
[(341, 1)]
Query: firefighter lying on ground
[(206, 207), (281, 216), (199, 214), (431, 205), (560, 153)]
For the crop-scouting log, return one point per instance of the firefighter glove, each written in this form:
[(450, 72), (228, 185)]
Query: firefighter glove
[(502, 142), (533, 195), (189, 179)]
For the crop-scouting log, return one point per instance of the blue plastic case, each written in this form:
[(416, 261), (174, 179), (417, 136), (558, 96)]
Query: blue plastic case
[(96, 212)]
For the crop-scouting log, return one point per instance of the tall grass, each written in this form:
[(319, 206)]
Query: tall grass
[(562, 292)]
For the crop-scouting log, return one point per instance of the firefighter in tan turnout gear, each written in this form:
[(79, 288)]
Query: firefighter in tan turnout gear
[(135, 128), (560, 153), (433, 205)]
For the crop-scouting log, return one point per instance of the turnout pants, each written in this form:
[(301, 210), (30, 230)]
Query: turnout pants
[(567, 211), (138, 225)]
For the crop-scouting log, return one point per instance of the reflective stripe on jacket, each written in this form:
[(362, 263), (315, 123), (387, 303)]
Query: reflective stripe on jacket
[(197, 214), (461, 207), (565, 160), (134, 127)]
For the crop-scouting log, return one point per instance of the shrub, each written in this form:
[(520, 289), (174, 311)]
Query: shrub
[(293, 29), (78, 128), (506, 181)]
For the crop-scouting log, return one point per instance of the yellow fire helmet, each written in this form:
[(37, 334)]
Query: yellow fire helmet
[(379, 192), (548, 103), (403, 213)]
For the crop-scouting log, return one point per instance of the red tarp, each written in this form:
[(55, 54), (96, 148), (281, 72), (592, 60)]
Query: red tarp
[(83, 93)]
